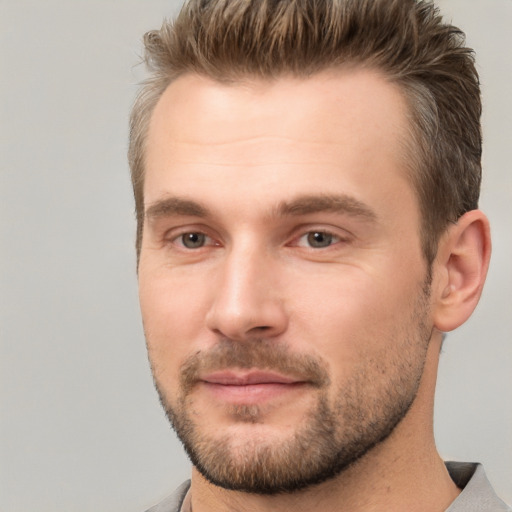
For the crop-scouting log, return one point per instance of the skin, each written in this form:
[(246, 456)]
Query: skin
[(223, 161)]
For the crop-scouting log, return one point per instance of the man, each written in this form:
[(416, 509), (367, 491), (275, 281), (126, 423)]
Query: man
[(306, 177)]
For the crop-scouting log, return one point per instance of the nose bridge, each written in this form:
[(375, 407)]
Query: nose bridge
[(246, 301)]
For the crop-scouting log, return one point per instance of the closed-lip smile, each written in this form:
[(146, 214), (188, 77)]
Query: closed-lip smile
[(245, 378), (249, 386)]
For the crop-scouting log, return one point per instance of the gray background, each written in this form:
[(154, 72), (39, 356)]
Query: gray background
[(81, 428)]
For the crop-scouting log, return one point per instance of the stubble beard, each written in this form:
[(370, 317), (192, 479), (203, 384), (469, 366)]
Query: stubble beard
[(334, 434)]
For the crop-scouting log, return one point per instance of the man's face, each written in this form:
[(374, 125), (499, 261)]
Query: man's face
[(282, 284)]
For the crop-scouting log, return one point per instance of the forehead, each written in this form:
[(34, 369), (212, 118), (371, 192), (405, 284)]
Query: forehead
[(193, 107), (282, 131)]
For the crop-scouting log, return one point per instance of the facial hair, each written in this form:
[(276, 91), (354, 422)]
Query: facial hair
[(334, 433)]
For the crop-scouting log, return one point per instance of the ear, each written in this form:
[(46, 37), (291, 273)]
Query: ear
[(460, 269)]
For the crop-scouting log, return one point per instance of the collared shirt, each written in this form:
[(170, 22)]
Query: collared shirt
[(477, 493)]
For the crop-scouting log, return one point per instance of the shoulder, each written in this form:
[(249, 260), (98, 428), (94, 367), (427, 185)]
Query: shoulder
[(173, 502)]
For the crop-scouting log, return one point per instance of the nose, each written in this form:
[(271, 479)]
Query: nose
[(247, 302)]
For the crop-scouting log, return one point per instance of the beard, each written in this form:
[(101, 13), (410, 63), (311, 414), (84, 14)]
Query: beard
[(336, 431)]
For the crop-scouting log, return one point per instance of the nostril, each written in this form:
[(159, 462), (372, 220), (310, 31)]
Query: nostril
[(237, 314)]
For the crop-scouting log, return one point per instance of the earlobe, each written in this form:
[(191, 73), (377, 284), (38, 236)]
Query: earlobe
[(460, 270)]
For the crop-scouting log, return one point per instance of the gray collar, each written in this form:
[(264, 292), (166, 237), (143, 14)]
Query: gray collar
[(477, 494)]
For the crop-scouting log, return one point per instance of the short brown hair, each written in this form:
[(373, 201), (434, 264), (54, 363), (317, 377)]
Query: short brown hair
[(407, 40)]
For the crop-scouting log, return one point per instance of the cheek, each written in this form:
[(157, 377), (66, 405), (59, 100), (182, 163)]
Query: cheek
[(170, 302), (353, 313), (172, 318)]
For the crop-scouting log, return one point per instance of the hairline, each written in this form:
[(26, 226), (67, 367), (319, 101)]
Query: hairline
[(412, 154)]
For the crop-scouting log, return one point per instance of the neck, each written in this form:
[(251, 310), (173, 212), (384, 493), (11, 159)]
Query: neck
[(404, 473)]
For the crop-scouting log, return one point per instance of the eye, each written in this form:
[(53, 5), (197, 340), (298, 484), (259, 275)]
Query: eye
[(192, 240), (318, 239)]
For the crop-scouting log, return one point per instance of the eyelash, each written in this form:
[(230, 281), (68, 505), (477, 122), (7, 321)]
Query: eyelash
[(180, 240), (306, 240), (321, 236)]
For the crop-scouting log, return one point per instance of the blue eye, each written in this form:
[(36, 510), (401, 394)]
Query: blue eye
[(193, 240)]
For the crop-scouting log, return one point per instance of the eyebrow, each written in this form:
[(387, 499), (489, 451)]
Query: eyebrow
[(175, 206), (345, 204), (302, 205)]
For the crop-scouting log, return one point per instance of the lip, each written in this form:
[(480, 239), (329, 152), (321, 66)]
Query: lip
[(250, 387), (234, 378)]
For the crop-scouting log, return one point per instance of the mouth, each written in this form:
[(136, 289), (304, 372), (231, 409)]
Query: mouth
[(249, 387)]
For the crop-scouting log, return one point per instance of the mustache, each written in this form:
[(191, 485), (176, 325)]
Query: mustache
[(262, 354)]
